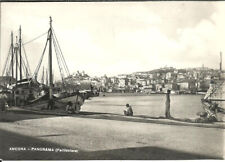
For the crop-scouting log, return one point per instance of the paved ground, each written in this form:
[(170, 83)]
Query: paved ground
[(102, 136)]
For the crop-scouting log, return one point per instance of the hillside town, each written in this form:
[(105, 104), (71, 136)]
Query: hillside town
[(179, 81)]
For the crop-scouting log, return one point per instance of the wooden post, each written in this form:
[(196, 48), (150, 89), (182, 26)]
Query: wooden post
[(167, 114)]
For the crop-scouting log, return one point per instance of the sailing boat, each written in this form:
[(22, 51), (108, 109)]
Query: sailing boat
[(77, 99), (17, 69), (24, 87)]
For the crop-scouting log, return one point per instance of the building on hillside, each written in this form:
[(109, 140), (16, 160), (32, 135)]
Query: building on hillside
[(171, 86), (169, 75), (159, 87), (142, 82), (123, 82), (187, 85), (148, 88), (152, 75), (203, 85), (181, 76)]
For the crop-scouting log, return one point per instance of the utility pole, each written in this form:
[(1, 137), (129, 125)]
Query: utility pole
[(20, 53), (12, 49), (50, 61)]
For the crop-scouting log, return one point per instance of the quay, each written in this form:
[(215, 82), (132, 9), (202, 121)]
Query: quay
[(101, 135)]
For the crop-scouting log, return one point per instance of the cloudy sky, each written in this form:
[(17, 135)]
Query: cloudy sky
[(124, 37)]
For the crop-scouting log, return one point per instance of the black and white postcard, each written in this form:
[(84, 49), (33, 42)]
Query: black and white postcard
[(112, 80)]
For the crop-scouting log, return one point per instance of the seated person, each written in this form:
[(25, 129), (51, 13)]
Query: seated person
[(69, 108), (128, 110)]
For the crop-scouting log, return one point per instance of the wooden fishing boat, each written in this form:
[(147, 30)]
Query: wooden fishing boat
[(27, 91)]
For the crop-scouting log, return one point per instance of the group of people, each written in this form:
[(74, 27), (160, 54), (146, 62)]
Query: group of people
[(73, 108)]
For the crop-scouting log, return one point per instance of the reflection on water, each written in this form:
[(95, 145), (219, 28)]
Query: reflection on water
[(182, 106)]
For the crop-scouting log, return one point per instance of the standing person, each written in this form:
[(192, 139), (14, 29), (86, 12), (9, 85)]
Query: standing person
[(51, 104), (168, 104), (68, 106), (3, 102), (77, 104)]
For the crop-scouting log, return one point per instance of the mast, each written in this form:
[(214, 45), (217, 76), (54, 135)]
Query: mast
[(50, 60), (46, 77), (12, 49), (221, 61), (43, 75), (20, 53), (16, 52)]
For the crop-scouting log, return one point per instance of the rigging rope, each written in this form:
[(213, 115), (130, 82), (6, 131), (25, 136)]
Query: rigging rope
[(34, 38), (28, 66), (63, 59), (25, 69), (6, 61), (58, 59), (8, 69), (39, 64), (10, 66)]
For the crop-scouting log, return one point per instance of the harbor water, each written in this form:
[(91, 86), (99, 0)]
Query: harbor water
[(182, 106)]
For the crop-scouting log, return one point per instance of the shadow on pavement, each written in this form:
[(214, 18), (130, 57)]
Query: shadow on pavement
[(52, 135), (21, 114), (17, 115), (146, 119), (136, 153), (144, 153)]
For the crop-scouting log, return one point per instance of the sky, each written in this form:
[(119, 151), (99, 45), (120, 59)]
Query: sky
[(120, 37)]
